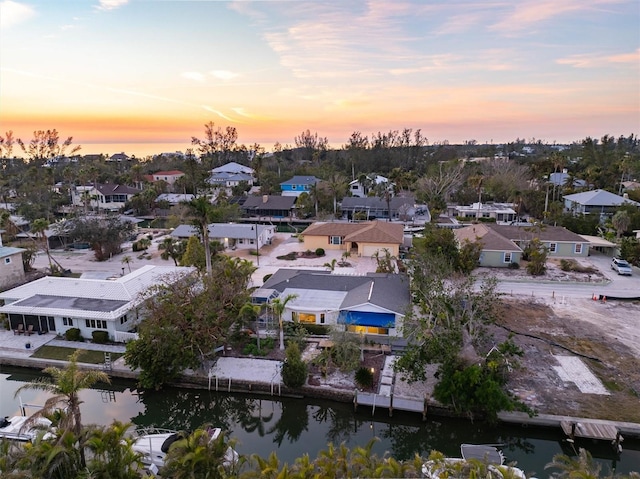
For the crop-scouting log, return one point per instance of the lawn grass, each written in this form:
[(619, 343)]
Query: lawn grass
[(62, 354)]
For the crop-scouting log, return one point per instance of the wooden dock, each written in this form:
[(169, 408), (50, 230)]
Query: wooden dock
[(593, 430), (390, 402)]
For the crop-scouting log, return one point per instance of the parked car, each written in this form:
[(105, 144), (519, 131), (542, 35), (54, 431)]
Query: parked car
[(621, 266)]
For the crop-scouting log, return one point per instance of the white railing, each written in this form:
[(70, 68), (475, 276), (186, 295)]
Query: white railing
[(122, 337)]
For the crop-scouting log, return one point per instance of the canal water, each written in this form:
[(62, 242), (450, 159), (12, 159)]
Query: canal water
[(293, 427)]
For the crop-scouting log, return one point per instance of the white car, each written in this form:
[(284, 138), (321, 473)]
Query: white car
[(621, 266)]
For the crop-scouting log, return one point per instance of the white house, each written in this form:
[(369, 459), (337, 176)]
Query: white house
[(503, 213), (110, 197), (596, 202), (362, 186), (373, 304), (58, 304), (232, 235)]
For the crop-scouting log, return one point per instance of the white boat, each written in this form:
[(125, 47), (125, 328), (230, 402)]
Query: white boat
[(453, 467), (16, 428), (153, 443)]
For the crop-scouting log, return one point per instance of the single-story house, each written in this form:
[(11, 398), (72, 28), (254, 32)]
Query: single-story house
[(497, 251), (502, 244), (58, 304), (503, 213), (596, 202), (107, 196), (11, 266), (373, 304), (119, 157), (373, 207), (269, 205), (298, 185), (361, 239), (232, 235)]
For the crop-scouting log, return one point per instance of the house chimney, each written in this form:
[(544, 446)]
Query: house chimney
[(565, 171), (624, 195), (265, 198)]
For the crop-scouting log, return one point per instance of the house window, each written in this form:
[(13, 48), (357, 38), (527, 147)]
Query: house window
[(335, 239), (307, 318), (67, 321), (321, 318), (96, 323), (7, 261), (553, 247), (578, 248), (294, 187), (124, 319), (507, 257)]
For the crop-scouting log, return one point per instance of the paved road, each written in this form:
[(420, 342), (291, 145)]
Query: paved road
[(615, 285)]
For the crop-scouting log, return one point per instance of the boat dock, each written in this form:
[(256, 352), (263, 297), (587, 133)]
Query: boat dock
[(593, 430)]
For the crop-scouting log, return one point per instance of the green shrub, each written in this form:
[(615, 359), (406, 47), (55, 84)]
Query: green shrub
[(100, 337), (294, 369), (316, 329), (364, 377), (266, 277), (319, 252), (514, 266), (73, 334)]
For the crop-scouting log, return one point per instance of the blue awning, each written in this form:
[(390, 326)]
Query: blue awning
[(358, 318)]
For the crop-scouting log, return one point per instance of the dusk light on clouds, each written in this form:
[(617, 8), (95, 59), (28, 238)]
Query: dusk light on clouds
[(123, 72)]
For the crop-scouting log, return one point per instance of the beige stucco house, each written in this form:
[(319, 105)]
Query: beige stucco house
[(361, 239), (11, 266)]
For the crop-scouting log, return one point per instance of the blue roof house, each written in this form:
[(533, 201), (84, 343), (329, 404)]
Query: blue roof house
[(298, 185)]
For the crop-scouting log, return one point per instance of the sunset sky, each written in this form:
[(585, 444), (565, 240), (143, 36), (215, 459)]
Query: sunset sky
[(124, 72)]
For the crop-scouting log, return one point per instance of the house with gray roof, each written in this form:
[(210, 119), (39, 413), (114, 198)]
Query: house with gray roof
[(269, 205), (60, 303), (232, 235), (503, 244), (600, 202), (373, 207), (373, 304), (11, 266)]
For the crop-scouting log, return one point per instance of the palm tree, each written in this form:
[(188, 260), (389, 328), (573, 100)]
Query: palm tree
[(251, 312), (112, 453), (171, 248), (331, 265), (65, 386), (201, 210), (198, 456), (621, 222), (583, 467), (278, 306), (127, 260)]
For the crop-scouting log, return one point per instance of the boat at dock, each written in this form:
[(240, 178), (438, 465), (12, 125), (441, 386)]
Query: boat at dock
[(154, 443), (18, 428), (473, 456)]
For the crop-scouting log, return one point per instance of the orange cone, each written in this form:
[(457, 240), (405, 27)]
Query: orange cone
[(604, 299)]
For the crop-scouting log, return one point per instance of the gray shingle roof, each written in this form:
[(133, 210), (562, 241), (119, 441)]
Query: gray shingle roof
[(302, 180), (273, 202), (389, 291), (599, 198)]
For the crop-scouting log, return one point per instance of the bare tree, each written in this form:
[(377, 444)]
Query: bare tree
[(45, 145)]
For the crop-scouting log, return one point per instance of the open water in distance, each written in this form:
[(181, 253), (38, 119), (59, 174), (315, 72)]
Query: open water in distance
[(293, 427)]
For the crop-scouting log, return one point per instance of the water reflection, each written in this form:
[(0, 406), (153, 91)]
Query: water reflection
[(293, 427)]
